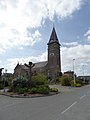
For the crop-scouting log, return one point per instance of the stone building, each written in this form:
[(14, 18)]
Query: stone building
[(21, 70), (54, 61), (52, 67)]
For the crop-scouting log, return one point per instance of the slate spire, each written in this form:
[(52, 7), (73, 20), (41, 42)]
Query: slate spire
[(53, 37)]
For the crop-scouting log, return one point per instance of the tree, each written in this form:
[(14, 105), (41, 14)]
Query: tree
[(1, 72), (30, 67)]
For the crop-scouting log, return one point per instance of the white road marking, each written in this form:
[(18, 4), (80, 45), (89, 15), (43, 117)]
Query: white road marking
[(82, 96), (69, 107)]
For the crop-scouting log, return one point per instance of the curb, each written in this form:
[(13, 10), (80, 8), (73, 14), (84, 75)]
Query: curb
[(32, 96)]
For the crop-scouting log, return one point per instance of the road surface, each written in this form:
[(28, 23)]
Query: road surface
[(68, 105)]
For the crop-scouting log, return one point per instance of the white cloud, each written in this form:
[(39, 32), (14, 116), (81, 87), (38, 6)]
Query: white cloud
[(87, 35), (1, 65), (19, 40), (70, 44), (16, 16), (13, 62), (81, 55), (20, 48), (2, 50), (67, 8)]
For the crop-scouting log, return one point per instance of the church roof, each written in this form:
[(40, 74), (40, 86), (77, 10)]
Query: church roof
[(37, 65), (21, 66), (53, 37), (24, 67), (40, 64)]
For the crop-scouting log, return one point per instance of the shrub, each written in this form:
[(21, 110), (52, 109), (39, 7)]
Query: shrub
[(78, 85), (18, 85), (33, 90), (37, 85), (40, 79), (10, 89), (31, 84), (72, 83), (1, 86), (43, 89), (22, 90), (65, 80), (79, 81), (53, 90), (19, 82)]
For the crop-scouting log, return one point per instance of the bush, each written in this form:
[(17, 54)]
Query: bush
[(79, 81), (65, 80), (1, 86), (40, 79), (21, 90), (20, 81), (72, 83), (78, 85), (53, 90), (43, 89), (32, 90), (37, 85), (10, 89)]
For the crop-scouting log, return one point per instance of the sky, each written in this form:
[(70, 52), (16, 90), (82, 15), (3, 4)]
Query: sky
[(25, 29)]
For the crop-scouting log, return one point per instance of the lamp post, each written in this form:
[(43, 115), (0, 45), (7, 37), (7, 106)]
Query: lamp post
[(83, 74), (4, 85), (73, 71)]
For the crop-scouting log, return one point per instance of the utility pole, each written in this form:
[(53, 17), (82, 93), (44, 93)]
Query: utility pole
[(83, 74)]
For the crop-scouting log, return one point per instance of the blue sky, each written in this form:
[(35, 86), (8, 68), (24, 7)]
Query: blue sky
[(26, 25)]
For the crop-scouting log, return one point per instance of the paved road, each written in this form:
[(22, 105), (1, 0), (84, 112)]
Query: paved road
[(68, 105)]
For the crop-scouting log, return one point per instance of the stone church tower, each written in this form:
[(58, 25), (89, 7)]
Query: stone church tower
[(54, 61)]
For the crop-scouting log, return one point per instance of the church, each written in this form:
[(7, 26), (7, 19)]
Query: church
[(52, 67)]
